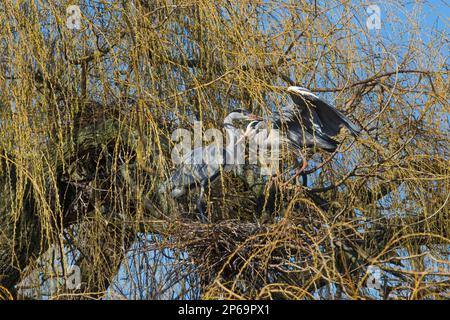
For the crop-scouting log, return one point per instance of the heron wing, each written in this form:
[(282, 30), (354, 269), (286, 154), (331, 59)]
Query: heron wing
[(303, 128), (304, 135), (331, 119), (201, 165), (323, 114)]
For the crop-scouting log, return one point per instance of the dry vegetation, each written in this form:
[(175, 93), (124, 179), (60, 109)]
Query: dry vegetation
[(86, 118)]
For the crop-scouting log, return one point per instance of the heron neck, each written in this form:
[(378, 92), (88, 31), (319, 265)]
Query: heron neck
[(230, 134), (231, 137)]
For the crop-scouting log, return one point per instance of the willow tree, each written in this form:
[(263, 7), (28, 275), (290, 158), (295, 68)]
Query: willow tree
[(88, 107)]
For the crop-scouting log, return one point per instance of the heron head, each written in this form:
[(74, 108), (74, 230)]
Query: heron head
[(251, 130), (242, 114)]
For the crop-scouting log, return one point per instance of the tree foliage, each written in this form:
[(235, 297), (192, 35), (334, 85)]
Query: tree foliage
[(86, 120)]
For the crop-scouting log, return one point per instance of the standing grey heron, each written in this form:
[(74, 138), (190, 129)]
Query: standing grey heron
[(308, 122), (202, 165)]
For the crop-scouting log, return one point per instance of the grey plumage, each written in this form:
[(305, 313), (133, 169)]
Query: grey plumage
[(202, 166), (311, 122), (308, 122), (302, 129), (194, 172), (328, 118)]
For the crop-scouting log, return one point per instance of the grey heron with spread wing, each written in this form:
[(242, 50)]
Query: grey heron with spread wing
[(308, 122)]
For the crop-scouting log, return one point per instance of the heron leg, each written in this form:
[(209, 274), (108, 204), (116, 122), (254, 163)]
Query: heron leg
[(298, 171), (201, 214)]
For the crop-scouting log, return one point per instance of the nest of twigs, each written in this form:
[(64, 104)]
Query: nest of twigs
[(234, 256)]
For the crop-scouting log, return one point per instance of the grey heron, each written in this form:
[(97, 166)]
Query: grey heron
[(264, 137), (202, 165), (308, 122)]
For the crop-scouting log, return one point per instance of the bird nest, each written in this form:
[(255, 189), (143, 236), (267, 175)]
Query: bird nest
[(233, 257)]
